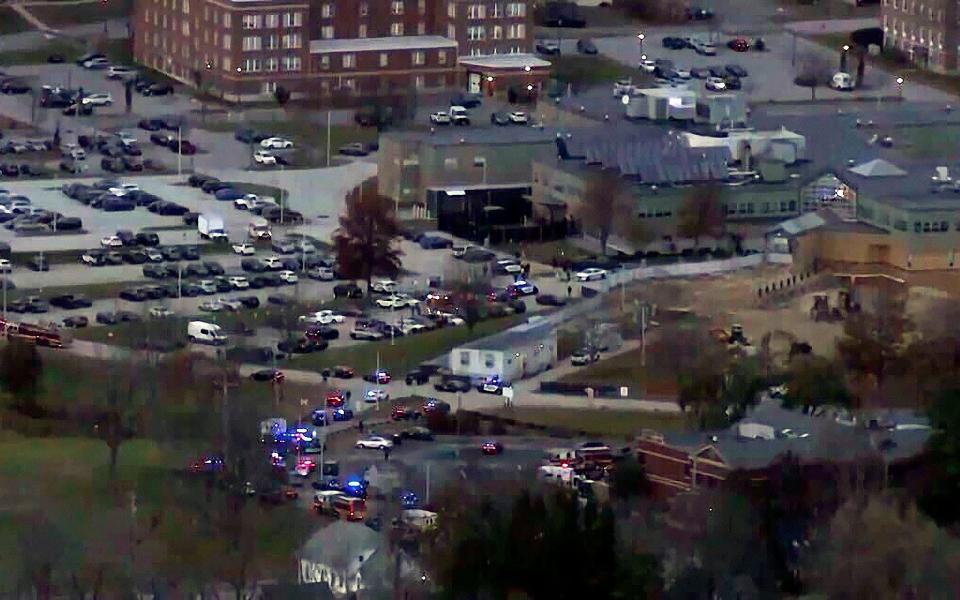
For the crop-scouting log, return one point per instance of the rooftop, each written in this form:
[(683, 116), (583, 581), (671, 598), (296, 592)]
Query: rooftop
[(519, 335), (409, 42), (448, 135), (504, 61)]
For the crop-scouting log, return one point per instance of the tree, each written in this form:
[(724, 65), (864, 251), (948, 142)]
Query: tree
[(814, 70), (630, 479), (882, 547), (702, 213), (117, 415), (814, 380), (941, 496), (281, 95), (605, 202), (20, 370), (366, 237)]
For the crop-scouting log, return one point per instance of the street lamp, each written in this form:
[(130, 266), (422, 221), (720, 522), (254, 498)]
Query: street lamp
[(843, 58), (641, 37), (900, 87)]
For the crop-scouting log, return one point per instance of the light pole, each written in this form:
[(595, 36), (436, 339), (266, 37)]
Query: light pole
[(239, 71), (843, 58), (900, 87), (641, 37)]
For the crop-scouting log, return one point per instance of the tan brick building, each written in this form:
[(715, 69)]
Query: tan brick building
[(925, 31)]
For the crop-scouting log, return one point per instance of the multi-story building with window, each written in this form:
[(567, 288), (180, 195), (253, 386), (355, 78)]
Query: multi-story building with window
[(925, 31), (246, 48)]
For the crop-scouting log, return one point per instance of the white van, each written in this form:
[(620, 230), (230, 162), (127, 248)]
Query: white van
[(842, 81), (199, 332), (259, 229)]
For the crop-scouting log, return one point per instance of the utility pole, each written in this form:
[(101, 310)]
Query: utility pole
[(643, 335), (328, 138), (179, 150), (426, 498)]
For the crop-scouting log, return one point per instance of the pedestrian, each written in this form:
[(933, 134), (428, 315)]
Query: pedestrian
[(348, 395), (569, 291), (360, 425), (386, 453)]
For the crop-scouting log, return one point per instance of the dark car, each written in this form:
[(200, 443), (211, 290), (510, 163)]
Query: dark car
[(76, 321), (344, 372), (347, 290), (70, 301), (733, 83), (154, 271), (466, 100), (322, 332), (418, 376), (302, 345), (113, 165), (158, 89), (150, 124), (279, 299), (135, 257), (271, 375), (496, 118), (184, 147), (14, 86), (85, 110), (117, 204), (134, 295), (211, 185), (551, 300), (214, 268), (673, 43), (452, 384), (421, 434), (9, 170), (491, 448), (249, 301), (171, 209), (736, 70), (738, 45), (162, 139), (107, 318), (249, 136), (190, 253), (195, 270), (586, 46)]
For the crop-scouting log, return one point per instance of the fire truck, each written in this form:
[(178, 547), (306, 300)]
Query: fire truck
[(32, 333)]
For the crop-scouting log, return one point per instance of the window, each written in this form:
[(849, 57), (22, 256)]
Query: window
[(362, 30), (421, 7), (450, 164), (326, 11), (475, 33), (497, 32), (419, 82), (451, 10), (269, 87), (421, 28), (227, 19), (516, 9), (272, 20), (226, 63), (451, 31), (271, 64), (348, 83), (396, 28), (489, 360), (291, 40), (516, 31), (464, 358), (497, 11), (251, 65), (326, 32), (252, 43), (324, 62), (294, 19), (185, 28), (349, 61), (364, 9), (226, 42), (418, 57), (396, 7), (252, 21), (291, 63), (186, 7), (442, 57), (476, 11), (272, 42), (384, 59)]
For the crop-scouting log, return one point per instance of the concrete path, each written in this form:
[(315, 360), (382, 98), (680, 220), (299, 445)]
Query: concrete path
[(28, 16), (831, 25), (117, 29)]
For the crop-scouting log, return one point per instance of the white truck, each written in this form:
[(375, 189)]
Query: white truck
[(200, 332), (259, 229), (210, 227)]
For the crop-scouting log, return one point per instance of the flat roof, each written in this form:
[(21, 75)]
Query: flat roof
[(449, 135), (408, 42), (504, 61), (519, 335)]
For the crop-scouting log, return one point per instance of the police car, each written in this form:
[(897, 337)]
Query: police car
[(521, 287), (492, 385)]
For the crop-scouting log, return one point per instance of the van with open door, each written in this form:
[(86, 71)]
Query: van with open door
[(200, 332)]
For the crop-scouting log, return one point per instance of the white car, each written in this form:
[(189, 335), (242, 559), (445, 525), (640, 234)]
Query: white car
[(120, 72), (98, 99), (111, 241), (276, 143), (509, 265), (376, 395), (160, 312), (374, 442), (124, 189), (622, 87), (210, 306), (362, 333), (264, 157), (715, 84), (384, 286), (648, 66), (409, 326), (5, 265), (682, 73), (322, 273), (230, 304), (244, 249), (591, 274), (96, 63), (208, 286), (440, 118), (396, 302), (126, 137), (273, 263), (78, 154), (288, 277), (249, 202), (519, 117), (322, 317), (239, 282), (305, 247)]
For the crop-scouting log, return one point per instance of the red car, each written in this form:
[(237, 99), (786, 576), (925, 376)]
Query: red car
[(738, 45), (491, 448), (343, 372), (336, 399), (381, 376), (402, 413)]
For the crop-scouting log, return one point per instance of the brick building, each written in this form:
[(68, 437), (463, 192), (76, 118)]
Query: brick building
[(244, 49), (926, 31)]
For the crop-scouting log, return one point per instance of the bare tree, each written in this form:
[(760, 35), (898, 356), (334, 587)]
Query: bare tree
[(366, 238), (606, 200), (813, 71), (702, 213)]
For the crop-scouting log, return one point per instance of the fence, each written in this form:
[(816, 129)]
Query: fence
[(687, 269)]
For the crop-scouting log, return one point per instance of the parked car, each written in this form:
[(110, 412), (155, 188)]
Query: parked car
[(586, 46)]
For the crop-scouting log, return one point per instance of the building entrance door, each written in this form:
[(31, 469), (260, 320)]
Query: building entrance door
[(473, 83)]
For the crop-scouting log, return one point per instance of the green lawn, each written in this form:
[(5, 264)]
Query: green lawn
[(310, 138), (594, 421), (656, 378), (76, 14), (927, 142), (11, 22), (117, 50), (580, 69), (403, 353)]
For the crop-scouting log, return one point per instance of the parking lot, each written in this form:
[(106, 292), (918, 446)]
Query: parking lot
[(771, 72)]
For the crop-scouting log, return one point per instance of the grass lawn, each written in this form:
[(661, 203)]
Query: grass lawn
[(656, 378), (595, 421), (93, 291), (545, 252), (405, 352), (117, 50), (309, 137), (927, 142), (580, 69), (75, 14), (11, 22)]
